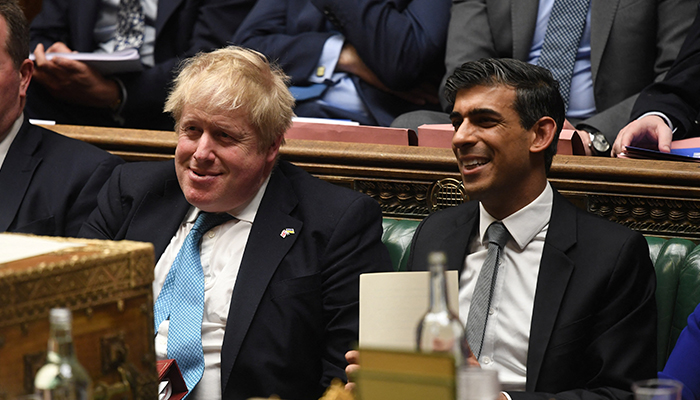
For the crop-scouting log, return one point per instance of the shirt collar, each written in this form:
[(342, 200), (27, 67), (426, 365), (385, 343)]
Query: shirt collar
[(524, 224), (247, 214)]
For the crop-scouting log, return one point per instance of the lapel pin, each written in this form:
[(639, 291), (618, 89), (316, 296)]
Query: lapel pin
[(286, 231)]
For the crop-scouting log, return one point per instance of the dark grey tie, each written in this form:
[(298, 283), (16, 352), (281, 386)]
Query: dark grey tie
[(561, 41), (131, 25), (497, 235)]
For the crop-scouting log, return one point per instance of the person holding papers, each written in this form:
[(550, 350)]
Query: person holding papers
[(48, 182), (273, 290), (164, 32), (565, 309)]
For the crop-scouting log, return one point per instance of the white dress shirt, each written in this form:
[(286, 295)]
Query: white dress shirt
[(221, 253), (6, 141), (508, 326)]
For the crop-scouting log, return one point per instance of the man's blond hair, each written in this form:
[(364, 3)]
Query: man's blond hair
[(234, 78)]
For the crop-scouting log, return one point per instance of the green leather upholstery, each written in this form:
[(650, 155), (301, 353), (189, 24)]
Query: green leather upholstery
[(668, 257), (397, 237), (677, 264)]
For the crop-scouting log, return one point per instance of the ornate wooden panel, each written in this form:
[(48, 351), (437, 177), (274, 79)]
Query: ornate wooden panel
[(659, 198)]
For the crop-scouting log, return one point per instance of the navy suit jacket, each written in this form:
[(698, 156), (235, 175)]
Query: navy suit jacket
[(49, 183), (294, 310), (594, 319), (401, 41), (183, 28), (677, 95)]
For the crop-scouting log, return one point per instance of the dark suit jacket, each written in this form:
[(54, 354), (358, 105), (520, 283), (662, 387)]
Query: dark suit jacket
[(183, 28), (633, 43), (49, 183), (594, 320), (294, 311), (402, 41), (677, 95)]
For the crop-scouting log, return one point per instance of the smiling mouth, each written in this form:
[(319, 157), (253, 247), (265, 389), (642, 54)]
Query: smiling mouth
[(204, 174), (471, 164)]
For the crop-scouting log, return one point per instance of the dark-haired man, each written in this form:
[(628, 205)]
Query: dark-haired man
[(48, 182), (572, 313)]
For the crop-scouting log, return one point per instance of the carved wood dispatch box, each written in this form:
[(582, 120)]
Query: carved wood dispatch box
[(107, 285)]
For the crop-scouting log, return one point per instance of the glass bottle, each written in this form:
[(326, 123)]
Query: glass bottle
[(62, 377), (440, 330)]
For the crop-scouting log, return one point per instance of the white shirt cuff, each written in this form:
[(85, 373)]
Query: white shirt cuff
[(663, 116)]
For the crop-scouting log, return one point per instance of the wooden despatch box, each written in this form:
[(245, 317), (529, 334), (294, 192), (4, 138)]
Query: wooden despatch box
[(107, 285)]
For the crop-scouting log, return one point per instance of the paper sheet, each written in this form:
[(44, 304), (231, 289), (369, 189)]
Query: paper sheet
[(392, 303), (17, 247)]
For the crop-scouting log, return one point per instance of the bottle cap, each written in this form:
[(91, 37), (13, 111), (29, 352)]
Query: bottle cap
[(60, 316), (437, 257)]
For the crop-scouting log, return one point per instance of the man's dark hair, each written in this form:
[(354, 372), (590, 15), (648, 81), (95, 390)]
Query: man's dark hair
[(17, 31), (536, 91)]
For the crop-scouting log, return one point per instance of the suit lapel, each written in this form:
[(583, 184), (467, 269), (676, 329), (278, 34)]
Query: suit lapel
[(555, 271), (160, 213), (602, 16), (466, 225), (17, 172), (524, 20), (264, 251)]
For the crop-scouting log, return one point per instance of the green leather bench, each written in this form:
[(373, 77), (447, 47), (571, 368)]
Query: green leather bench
[(677, 264)]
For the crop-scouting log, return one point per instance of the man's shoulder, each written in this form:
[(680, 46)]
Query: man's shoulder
[(55, 145), (308, 187)]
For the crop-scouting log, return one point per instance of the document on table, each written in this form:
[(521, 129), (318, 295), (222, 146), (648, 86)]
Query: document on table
[(17, 247), (106, 63), (392, 304)]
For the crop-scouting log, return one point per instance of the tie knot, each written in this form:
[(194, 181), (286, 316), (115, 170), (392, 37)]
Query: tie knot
[(205, 221), (497, 234)]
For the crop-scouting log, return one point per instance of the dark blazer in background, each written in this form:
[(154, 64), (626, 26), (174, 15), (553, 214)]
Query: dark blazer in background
[(294, 311), (633, 43), (401, 41), (183, 28), (678, 95), (594, 320), (49, 183)]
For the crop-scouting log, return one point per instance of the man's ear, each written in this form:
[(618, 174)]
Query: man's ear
[(274, 149), (26, 70), (543, 131)]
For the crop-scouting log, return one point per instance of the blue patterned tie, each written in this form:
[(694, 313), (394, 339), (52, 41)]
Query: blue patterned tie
[(483, 291), (130, 26), (182, 300), (561, 41)]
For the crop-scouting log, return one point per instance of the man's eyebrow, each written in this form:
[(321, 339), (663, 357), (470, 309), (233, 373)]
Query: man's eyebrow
[(483, 111), (475, 112)]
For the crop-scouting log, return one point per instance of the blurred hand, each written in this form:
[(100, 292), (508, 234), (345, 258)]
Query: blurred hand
[(353, 359), (649, 132), (73, 81)]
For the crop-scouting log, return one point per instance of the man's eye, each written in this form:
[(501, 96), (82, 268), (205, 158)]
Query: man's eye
[(225, 137), (189, 130), (456, 125)]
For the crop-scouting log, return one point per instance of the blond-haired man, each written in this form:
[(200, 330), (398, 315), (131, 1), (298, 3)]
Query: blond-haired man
[(280, 279)]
